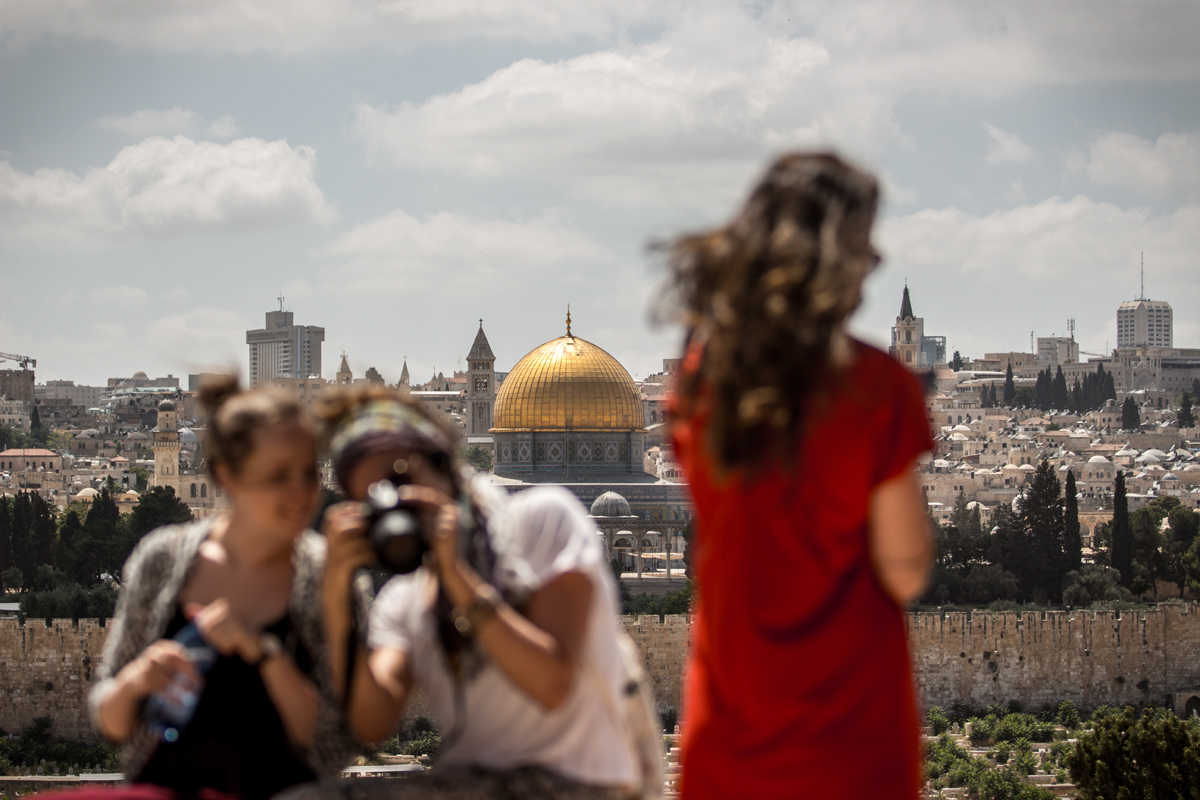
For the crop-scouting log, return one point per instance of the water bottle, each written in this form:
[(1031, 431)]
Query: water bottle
[(169, 711)]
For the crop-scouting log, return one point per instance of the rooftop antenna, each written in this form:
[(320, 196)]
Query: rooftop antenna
[(1031, 349), (280, 298), (1142, 294), (1071, 328)]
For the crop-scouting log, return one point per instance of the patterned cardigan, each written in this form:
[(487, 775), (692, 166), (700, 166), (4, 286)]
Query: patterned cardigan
[(155, 574)]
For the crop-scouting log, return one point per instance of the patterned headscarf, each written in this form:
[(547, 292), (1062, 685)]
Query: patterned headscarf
[(383, 425)]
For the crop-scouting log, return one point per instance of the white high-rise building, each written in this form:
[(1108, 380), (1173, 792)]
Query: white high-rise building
[(1144, 323), (284, 350)]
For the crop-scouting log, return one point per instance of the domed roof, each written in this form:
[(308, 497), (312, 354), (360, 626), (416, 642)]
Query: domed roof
[(611, 504), (1097, 460), (86, 494), (166, 405), (568, 382), (140, 376), (186, 435)]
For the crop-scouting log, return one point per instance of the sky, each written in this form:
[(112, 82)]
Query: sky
[(397, 171)]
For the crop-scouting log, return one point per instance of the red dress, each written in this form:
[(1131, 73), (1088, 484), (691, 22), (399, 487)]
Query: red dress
[(799, 683)]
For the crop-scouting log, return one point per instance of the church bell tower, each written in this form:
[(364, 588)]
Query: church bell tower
[(481, 385)]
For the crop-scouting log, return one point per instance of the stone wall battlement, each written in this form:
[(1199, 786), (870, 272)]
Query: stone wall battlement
[(1089, 657)]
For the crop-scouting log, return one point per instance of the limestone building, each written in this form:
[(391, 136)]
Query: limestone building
[(910, 345), (1142, 323), (283, 349), (192, 484)]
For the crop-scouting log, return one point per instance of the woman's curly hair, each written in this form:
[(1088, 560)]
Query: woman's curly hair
[(766, 295)]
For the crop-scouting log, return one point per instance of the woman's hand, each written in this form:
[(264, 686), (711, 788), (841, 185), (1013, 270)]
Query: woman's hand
[(441, 518), (157, 666), (224, 630)]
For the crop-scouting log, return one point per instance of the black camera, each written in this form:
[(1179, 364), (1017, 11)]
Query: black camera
[(394, 529)]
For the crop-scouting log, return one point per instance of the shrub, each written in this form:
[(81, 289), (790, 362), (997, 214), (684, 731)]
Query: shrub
[(982, 730), (1068, 715), (939, 723), (1001, 753), (1005, 784), (37, 743), (944, 757), (1025, 763), (961, 711), (1154, 755), (425, 745)]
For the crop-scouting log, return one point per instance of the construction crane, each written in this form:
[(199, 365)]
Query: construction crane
[(25, 361)]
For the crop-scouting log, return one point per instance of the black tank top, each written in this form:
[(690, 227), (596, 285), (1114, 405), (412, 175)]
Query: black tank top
[(236, 742)]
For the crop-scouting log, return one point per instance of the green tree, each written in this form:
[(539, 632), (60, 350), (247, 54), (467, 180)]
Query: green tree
[(1072, 541), (1060, 396), (1127, 756), (142, 478), (101, 545), (1042, 529), (1131, 418), (1121, 546), (956, 363), (1186, 418), (59, 441), (1010, 388), (1093, 583), (975, 523), (1184, 530), (1024, 398), (38, 432), (67, 550), (478, 457), (6, 543), (155, 508), (961, 517)]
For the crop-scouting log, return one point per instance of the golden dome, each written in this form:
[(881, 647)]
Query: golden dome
[(568, 382)]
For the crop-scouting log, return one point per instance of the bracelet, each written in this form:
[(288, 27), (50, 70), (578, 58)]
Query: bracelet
[(481, 608), (269, 646)]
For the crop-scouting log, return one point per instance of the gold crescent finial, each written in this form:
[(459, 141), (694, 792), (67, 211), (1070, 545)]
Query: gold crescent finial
[(569, 336)]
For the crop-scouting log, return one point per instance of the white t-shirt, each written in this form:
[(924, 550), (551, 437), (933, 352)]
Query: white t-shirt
[(503, 727)]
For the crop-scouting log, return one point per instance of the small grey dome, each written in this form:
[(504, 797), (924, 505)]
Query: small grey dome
[(166, 405), (611, 504)]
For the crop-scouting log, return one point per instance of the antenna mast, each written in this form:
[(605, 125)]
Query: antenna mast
[(1142, 294), (1031, 348)]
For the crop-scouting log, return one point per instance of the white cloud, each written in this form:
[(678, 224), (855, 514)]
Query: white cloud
[(1005, 148), (401, 253), (665, 122), (985, 281), (1061, 240), (1168, 166), (223, 128), (161, 188), (201, 339), (245, 26), (152, 122)]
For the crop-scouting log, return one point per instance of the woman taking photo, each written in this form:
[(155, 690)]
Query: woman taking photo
[(248, 581), (509, 628), (798, 443)]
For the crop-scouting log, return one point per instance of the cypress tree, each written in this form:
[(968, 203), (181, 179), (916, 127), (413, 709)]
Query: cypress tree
[(1130, 416), (1060, 398), (1042, 529), (23, 557), (961, 517), (6, 549), (1122, 535), (1185, 416), (1072, 543), (1010, 388), (975, 525)]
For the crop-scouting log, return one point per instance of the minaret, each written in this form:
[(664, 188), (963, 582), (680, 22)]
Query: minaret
[(166, 446), (481, 385), (907, 335)]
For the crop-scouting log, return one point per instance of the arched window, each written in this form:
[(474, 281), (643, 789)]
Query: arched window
[(908, 356), (193, 490), (908, 337), (204, 490)]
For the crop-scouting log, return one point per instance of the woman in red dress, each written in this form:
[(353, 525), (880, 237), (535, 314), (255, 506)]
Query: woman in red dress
[(811, 535)]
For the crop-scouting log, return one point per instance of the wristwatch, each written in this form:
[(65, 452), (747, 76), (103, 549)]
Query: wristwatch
[(483, 605), (269, 646)]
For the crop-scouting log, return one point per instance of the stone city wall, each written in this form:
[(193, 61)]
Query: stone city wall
[(1089, 657)]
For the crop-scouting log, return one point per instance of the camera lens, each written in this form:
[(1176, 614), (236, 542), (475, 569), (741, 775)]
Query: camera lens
[(395, 530)]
